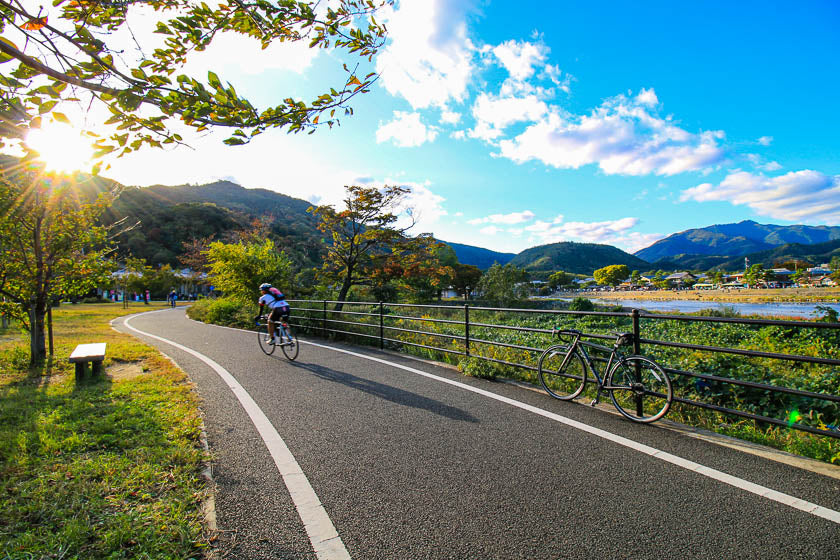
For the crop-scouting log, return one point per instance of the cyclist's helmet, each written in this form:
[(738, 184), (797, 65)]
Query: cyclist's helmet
[(265, 286)]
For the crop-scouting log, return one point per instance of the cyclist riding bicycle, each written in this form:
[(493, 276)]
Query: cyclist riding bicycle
[(276, 302)]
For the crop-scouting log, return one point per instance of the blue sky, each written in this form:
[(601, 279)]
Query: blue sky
[(518, 124)]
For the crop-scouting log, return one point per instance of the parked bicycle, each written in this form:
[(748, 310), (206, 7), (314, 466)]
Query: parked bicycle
[(283, 332), (639, 388)]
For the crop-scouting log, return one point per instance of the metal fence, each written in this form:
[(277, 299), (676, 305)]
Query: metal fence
[(452, 332)]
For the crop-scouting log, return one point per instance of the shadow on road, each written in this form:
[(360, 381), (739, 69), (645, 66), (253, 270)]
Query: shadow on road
[(388, 392)]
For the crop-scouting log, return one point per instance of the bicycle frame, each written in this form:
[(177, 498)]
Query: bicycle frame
[(579, 345), (279, 328)]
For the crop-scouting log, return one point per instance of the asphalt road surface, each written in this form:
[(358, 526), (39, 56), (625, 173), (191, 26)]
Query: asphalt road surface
[(349, 452)]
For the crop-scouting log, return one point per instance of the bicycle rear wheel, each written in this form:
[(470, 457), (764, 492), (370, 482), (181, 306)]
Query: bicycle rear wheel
[(640, 389), (563, 383), (265, 340), (290, 345)]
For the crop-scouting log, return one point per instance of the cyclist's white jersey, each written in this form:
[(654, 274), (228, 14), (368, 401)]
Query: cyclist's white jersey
[(271, 302)]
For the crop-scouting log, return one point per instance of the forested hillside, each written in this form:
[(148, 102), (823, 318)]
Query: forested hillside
[(171, 216), (577, 258)]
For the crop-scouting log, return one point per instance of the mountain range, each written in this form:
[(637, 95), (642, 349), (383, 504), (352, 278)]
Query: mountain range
[(735, 240), (169, 216)]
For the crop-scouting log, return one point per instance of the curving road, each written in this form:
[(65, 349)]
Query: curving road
[(354, 453)]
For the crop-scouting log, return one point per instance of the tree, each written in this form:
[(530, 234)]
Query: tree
[(419, 270), (559, 278), (504, 285), (612, 275), (635, 277), (834, 266), (69, 52), (659, 279), (238, 269), (52, 247), (465, 279), (715, 276), (368, 248), (755, 275)]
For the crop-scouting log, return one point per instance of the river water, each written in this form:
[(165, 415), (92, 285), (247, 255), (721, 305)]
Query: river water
[(800, 310)]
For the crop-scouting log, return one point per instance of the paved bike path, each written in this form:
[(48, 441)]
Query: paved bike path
[(410, 467)]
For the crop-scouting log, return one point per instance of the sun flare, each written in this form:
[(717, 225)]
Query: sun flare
[(61, 148)]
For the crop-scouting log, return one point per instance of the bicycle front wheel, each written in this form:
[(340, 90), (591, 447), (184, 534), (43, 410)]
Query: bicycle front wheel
[(290, 345), (562, 382), (265, 340), (640, 389)]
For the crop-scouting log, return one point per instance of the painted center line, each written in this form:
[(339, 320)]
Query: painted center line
[(320, 529)]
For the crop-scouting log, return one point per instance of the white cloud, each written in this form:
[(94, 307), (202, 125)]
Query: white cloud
[(428, 60), (612, 232), (648, 97), (493, 114), (450, 117), (795, 196), (765, 140), (520, 58), (508, 219), (622, 137), (553, 73), (406, 130), (771, 166), (490, 230)]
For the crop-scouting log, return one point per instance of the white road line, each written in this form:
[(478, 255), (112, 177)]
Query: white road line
[(322, 534), (746, 485), (763, 491)]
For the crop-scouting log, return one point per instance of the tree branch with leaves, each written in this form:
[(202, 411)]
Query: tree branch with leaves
[(63, 55)]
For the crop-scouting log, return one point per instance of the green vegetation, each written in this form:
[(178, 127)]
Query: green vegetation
[(504, 285), (612, 275), (107, 469), (52, 247)]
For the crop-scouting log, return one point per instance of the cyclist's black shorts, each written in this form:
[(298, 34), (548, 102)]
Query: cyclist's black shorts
[(280, 312)]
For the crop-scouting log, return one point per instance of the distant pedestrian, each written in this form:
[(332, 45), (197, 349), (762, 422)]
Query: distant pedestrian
[(146, 299), (172, 297)]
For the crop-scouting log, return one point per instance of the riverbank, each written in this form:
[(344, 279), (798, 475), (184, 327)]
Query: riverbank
[(773, 295)]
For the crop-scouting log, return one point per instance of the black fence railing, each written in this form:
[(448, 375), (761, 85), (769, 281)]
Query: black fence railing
[(453, 331)]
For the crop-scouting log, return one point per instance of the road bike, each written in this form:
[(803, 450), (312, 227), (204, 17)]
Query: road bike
[(288, 343), (639, 387)]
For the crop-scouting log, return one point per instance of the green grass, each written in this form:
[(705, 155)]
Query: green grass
[(106, 469)]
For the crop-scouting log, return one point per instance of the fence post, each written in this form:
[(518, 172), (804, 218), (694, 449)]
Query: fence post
[(381, 328), (324, 320), (637, 348), (467, 329)]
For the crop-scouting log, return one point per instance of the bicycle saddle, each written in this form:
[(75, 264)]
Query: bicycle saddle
[(623, 339)]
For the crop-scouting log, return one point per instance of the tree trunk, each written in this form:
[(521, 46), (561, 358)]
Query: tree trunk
[(36, 333), (342, 294)]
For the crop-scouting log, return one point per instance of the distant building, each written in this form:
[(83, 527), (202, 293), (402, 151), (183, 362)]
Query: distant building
[(680, 279)]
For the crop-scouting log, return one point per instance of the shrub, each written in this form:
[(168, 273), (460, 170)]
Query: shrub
[(475, 367), (581, 304), (230, 312)]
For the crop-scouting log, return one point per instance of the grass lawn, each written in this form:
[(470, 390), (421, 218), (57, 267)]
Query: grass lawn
[(107, 469)]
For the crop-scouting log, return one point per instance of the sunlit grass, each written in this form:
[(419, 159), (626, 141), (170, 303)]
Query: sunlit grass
[(107, 469)]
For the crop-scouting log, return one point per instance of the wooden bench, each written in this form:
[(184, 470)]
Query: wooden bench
[(84, 353)]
